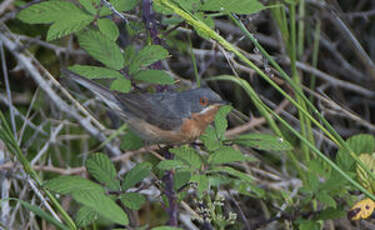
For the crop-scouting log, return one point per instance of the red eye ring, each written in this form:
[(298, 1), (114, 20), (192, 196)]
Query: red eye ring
[(203, 101)]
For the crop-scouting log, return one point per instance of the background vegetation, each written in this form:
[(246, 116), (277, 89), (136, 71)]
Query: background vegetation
[(294, 149)]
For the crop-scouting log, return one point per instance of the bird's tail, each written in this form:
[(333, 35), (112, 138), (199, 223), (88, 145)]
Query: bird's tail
[(103, 93)]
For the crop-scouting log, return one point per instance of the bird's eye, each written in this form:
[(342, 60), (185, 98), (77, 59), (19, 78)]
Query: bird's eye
[(203, 101)]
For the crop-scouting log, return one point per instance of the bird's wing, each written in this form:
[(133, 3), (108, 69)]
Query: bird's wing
[(156, 109)]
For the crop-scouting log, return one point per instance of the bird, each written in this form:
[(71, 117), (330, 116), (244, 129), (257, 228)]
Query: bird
[(170, 118)]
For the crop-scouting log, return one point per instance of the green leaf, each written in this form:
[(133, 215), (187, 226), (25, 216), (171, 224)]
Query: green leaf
[(226, 154), (326, 199), (308, 225), (209, 139), (187, 154), (95, 72), (45, 216), (231, 171), (221, 123), (154, 76), (263, 142), (171, 164), (102, 204), (129, 54), (108, 28), (69, 184), (146, 56), (136, 175), (85, 216), (203, 184), (250, 190), (121, 84), (130, 141), (102, 49), (233, 6), (90, 5), (181, 178), (330, 214), (166, 228), (102, 169), (72, 23), (48, 12), (189, 5), (362, 143), (364, 178), (132, 200), (120, 5)]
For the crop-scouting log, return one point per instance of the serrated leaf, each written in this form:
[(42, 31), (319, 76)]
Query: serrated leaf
[(209, 139), (326, 199), (136, 175), (121, 84), (102, 169), (95, 72), (103, 205), (132, 200), (233, 172), (189, 5), (44, 215), (364, 178), (221, 123), (263, 142), (330, 214), (147, 56), (171, 164), (249, 189), (85, 216), (120, 5), (362, 143), (308, 225), (129, 54), (72, 23), (90, 5), (102, 49), (154, 76), (108, 28), (233, 6), (226, 154), (187, 154), (181, 178), (69, 184), (203, 184), (48, 12), (130, 141), (166, 228)]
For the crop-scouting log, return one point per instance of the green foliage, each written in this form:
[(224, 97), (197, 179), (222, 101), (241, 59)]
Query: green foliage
[(263, 142), (102, 204), (65, 16), (121, 84), (221, 123), (362, 143), (95, 72), (101, 48), (108, 28), (103, 170), (130, 141), (166, 228), (171, 164), (132, 200), (69, 184), (154, 76), (120, 5), (47, 217), (147, 56), (233, 6), (85, 216), (188, 155), (136, 175), (225, 154)]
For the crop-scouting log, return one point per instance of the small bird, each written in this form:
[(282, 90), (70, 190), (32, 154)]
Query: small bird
[(160, 118)]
